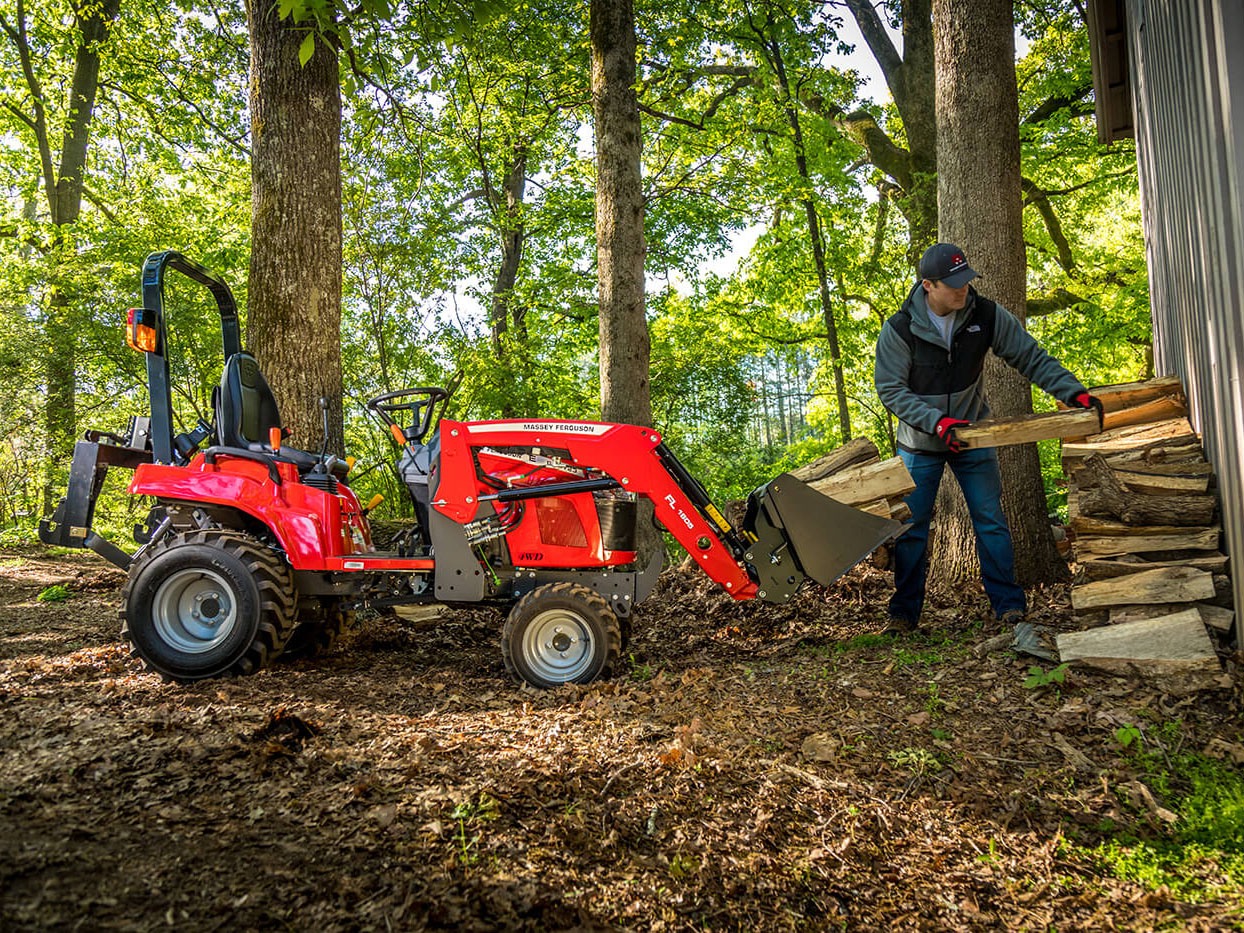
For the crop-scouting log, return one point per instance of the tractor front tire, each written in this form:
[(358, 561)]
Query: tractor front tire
[(561, 633), (208, 604)]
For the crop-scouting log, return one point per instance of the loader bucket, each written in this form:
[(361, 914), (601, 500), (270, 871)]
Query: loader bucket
[(802, 533)]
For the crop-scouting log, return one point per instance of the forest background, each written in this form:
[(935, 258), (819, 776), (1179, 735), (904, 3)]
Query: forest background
[(469, 241)]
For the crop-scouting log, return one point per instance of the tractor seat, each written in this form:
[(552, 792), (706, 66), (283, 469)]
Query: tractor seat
[(246, 410)]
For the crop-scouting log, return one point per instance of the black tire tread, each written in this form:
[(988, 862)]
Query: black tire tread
[(273, 578), (592, 601)]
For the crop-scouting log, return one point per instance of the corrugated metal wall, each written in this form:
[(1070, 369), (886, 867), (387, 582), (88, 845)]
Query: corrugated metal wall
[(1188, 74)]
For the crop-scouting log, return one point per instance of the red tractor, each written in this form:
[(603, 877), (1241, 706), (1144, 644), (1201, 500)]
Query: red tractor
[(254, 547)]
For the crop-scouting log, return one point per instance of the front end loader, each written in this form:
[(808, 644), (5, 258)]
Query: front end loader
[(254, 548)]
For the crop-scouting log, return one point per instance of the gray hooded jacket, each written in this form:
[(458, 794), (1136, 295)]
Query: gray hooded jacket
[(921, 380)]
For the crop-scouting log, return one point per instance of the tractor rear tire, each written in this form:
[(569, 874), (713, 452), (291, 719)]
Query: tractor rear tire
[(207, 604), (319, 628), (561, 633)]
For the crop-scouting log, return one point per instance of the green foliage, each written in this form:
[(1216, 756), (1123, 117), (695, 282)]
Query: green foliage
[(1127, 735), (54, 594), (1039, 677), (1201, 853)]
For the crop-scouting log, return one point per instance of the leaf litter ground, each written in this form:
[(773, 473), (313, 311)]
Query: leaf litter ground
[(750, 767)]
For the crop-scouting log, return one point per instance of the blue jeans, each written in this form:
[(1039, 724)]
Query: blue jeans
[(978, 476)]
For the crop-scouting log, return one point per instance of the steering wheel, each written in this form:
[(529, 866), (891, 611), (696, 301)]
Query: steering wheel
[(420, 401)]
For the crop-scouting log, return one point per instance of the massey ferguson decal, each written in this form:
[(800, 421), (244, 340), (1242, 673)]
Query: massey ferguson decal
[(540, 427)]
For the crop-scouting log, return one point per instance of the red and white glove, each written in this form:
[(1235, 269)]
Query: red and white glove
[(946, 433), (1086, 401)]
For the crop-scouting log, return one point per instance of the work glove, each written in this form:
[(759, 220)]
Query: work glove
[(1086, 401), (946, 433)]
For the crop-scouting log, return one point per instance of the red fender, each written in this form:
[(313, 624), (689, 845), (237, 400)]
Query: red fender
[(315, 528)]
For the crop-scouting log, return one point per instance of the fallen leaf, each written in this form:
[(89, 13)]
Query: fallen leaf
[(821, 746)]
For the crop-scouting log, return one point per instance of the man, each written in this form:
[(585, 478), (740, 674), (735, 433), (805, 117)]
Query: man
[(930, 375)]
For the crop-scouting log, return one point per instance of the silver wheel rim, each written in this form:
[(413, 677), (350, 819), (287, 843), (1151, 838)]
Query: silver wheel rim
[(557, 645), (194, 611)]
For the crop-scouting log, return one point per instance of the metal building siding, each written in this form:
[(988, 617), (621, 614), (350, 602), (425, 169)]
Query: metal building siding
[(1189, 117)]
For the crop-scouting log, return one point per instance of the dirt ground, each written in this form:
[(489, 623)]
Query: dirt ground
[(751, 767)]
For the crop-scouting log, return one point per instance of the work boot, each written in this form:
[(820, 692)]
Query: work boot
[(897, 625), (1012, 617)]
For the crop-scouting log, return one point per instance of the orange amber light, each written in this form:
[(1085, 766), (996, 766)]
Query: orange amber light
[(140, 331)]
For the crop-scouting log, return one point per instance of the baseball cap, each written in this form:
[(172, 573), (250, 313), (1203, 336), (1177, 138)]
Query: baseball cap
[(945, 262)]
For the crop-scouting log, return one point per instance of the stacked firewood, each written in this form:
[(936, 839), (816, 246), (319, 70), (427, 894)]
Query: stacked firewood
[(855, 475), (1143, 514)]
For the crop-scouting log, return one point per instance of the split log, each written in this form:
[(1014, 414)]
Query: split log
[(1098, 546), (1089, 525), (879, 507), (1137, 464), (1172, 431), (1108, 569), (1139, 459), (1167, 585), (1219, 618), (1182, 511), (888, 479), (1177, 432), (1102, 492), (1129, 394), (856, 452), (1164, 485), (1025, 429), (1159, 409), (1178, 640), (1214, 617)]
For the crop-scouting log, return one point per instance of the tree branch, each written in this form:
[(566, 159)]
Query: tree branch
[(1052, 105), (1039, 198), (878, 39), (1059, 300), (39, 122)]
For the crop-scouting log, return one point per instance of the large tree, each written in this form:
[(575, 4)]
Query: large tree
[(625, 393), (980, 209), (294, 287)]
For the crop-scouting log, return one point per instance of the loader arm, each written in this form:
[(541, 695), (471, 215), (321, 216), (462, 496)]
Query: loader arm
[(792, 532)]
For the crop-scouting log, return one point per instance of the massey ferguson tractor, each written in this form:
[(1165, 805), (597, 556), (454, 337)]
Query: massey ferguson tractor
[(253, 547)]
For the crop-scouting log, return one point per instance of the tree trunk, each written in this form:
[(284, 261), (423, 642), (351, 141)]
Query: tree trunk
[(502, 312), (979, 209), (620, 247), (294, 302)]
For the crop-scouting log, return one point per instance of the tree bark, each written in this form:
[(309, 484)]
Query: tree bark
[(502, 312), (294, 303), (979, 209), (625, 391)]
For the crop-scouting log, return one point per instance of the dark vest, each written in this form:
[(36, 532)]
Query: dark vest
[(934, 371)]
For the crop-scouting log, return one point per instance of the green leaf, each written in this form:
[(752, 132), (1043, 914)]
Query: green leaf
[(306, 50), (53, 594)]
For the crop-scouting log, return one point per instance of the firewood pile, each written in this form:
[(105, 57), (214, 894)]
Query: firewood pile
[(855, 475), (1143, 511)]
